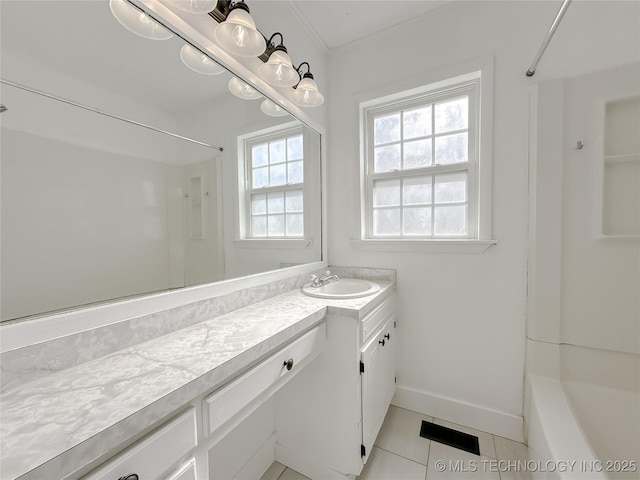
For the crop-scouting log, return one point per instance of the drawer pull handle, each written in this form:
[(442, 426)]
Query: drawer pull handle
[(289, 364), (387, 336), (381, 342), (131, 476)]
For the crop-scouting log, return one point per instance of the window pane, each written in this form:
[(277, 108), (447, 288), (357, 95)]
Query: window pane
[(259, 155), (452, 115), (417, 221), (277, 151), (452, 149), (278, 174), (258, 204), (294, 148), (260, 177), (386, 129), (451, 220), (417, 123), (276, 225), (387, 158), (416, 190), (294, 201), (386, 193), (259, 226), (417, 154), (386, 221), (295, 225), (451, 187), (294, 170), (276, 202)]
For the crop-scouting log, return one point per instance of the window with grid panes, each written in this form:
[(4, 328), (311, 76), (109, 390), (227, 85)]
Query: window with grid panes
[(421, 165), (275, 185)]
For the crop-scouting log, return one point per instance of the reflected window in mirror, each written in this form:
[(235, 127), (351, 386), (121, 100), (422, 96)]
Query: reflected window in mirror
[(275, 187), (273, 202)]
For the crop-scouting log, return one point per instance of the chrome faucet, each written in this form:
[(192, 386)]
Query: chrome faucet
[(319, 281)]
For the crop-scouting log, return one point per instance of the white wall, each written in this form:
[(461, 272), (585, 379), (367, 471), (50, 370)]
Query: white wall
[(600, 276), (79, 225), (462, 316)]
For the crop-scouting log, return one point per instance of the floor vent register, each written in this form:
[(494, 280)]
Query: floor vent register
[(451, 437)]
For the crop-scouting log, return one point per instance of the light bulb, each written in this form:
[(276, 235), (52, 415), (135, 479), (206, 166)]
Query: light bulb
[(196, 6), (272, 109), (198, 62), (238, 34), (306, 93), (243, 90), (137, 21), (278, 71)]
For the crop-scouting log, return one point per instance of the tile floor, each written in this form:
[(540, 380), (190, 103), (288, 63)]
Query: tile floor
[(401, 454)]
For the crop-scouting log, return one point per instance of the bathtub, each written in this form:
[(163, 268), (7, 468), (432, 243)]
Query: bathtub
[(571, 436)]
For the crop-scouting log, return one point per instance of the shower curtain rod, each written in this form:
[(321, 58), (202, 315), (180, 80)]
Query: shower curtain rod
[(547, 38), (106, 114)]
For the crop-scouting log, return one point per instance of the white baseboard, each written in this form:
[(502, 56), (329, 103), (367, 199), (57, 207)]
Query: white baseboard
[(259, 462), (307, 466), (481, 418)]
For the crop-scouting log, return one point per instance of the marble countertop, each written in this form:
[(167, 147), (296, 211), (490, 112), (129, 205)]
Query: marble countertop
[(67, 419)]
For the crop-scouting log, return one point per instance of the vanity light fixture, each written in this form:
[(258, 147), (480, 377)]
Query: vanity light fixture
[(196, 6), (243, 90), (238, 33), (137, 21), (198, 61), (272, 109), (278, 71), (306, 93)]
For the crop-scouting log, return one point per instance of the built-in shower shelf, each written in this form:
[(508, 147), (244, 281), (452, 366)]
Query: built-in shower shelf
[(621, 169)]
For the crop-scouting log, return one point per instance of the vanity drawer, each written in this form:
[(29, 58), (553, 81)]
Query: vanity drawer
[(153, 456), (185, 472), (226, 402), (375, 319)]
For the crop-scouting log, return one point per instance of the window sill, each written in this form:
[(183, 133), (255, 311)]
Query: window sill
[(425, 246), (283, 243)]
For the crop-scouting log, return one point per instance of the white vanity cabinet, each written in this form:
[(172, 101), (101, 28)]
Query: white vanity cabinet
[(327, 420), (183, 448)]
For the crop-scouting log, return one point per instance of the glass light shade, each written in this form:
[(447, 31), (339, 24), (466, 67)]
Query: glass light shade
[(137, 21), (243, 90), (198, 62), (307, 94), (278, 71), (196, 6), (238, 34), (272, 109)]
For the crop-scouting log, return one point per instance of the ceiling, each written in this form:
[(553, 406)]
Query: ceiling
[(337, 23)]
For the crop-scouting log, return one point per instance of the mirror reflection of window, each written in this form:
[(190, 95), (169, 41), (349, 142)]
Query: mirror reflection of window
[(275, 165)]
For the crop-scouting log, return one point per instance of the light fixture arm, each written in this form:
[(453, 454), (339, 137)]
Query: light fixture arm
[(271, 44), (307, 74)]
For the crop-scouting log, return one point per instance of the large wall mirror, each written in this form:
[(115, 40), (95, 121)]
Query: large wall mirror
[(97, 208)]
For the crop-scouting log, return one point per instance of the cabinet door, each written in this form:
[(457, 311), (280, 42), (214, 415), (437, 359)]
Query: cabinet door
[(378, 382)]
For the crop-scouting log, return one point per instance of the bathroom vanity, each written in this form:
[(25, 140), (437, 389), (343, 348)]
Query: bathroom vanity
[(306, 381)]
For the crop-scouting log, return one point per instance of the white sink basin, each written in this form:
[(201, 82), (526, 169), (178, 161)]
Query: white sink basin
[(343, 288)]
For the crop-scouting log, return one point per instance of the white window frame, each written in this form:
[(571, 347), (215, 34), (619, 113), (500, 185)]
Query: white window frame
[(478, 76), (245, 190)]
